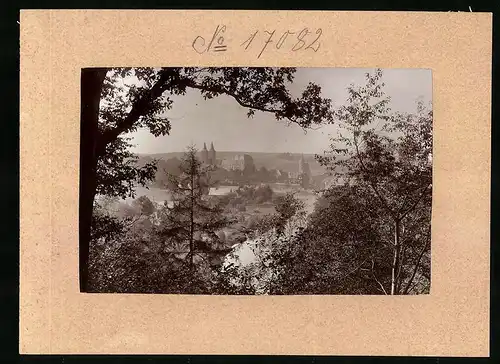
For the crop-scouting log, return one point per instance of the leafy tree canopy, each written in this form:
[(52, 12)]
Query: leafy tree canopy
[(133, 98)]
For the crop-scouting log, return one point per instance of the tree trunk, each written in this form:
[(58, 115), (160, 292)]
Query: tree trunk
[(396, 257), (91, 84)]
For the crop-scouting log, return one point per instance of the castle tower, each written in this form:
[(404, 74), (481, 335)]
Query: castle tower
[(204, 154), (211, 155)]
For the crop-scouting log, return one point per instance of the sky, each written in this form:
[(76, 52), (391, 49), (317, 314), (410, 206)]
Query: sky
[(224, 122)]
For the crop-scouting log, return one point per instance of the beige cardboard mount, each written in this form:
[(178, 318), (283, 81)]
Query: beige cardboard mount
[(56, 318)]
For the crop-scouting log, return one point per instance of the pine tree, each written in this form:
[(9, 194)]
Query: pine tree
[(192, 214)]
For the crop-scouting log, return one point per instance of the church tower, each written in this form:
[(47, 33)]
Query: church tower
[(304, 172), (211, 155), (204, 154)]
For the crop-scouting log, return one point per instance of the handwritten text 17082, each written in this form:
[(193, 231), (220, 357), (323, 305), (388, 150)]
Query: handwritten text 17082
[(261, 40)]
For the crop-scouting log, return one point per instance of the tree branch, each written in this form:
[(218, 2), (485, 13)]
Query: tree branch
[(401, 263), (416, 202), (169, 78), (376, 280), (417, 265), (412, 288), (353, 271), (165, 80), (236, 97), (372, 185)]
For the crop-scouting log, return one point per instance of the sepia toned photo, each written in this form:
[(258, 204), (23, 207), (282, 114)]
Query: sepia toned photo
[(256, 181)]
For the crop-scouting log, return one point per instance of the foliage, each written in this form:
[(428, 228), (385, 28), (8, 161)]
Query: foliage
[(370, 234), (287, 206), (270, 237), (252, 194), (165, 170), (129, 265), (144, 205), (135, 258), (118, 173), (387, 157), (104, 225), (134, 98), (334, 254), (247, 195), (192, 213), (119, 101)]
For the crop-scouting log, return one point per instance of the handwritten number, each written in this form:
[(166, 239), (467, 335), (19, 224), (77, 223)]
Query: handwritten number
[(217, 42), (283, 38), (250, 40), (267, 42), (318, 32), (300, 40)]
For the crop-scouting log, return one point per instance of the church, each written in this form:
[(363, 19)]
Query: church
[(239, 162), (208, 156)]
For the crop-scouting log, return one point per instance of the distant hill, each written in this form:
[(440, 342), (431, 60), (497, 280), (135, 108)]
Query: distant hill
[(288, 162)]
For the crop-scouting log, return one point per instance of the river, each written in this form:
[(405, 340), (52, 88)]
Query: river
[(160, 195), (243, 252)]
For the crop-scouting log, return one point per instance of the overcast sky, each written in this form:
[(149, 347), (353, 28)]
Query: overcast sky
[(223, 122)]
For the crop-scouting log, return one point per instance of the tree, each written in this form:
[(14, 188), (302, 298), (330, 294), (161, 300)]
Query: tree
[(165, 169), (264, 175), (269, 238), (304, 180), (287, 206), (144, 205), (111, 108), (387, 157), (136, 262), (338, 251), (192, 214), (104, 225)]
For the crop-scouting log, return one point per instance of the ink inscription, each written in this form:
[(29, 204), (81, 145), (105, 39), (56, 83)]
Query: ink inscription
[(261, 41)]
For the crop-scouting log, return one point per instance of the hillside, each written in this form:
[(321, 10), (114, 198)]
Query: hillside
[(284, 161)]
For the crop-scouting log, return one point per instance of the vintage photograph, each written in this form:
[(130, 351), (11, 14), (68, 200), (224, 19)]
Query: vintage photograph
[(255, 181)]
